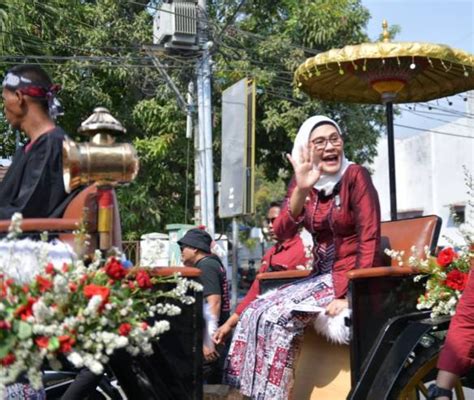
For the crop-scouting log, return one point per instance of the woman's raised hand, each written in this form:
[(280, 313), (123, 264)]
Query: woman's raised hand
[(306, 173)]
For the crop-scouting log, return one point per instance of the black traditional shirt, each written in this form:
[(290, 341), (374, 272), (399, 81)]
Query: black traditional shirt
[(34, 183)]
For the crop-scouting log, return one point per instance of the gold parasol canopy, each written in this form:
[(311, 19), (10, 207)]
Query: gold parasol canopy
[(405, 71), (387, 73)]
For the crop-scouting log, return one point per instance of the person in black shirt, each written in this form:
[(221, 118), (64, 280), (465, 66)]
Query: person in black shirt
[(196, 252), (33, 184)]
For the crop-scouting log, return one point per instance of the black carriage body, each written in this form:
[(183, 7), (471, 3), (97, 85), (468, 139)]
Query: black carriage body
[(385, 325), (174, 370), (383, 315)]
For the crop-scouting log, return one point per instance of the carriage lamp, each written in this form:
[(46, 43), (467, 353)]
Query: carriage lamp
[(100, 161)]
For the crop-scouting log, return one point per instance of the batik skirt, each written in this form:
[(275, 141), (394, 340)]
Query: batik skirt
[(268, 336), (23, 391)]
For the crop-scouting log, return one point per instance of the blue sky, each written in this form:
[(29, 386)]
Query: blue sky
[(435, 21)]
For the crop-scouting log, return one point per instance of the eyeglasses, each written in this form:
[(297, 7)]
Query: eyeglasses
[(270, 220), (321, 143)]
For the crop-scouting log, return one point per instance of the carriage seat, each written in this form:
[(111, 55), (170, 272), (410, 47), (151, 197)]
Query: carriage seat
[(398, 235), (82, 209)]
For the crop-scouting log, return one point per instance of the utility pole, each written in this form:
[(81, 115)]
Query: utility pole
[(182, 26), (203, 72), (200, 148)]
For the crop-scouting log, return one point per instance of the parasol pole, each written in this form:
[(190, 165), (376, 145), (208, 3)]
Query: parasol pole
[(398, 72), (387, 99)]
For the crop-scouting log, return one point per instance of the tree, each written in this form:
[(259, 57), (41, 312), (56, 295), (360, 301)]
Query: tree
[(95, 50), (269, 41)]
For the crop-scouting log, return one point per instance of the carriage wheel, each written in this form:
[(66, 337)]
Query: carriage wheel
[(413, 381)]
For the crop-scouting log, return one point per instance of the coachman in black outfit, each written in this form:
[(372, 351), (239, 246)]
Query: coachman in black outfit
[(33, 184)]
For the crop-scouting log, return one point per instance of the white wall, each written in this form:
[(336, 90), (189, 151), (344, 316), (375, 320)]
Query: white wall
[(429, 170)]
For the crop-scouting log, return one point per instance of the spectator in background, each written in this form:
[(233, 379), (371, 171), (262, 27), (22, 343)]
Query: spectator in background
[(285, 255), (195, 248)]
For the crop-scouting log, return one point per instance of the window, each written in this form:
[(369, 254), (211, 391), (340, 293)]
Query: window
[(459, 213)]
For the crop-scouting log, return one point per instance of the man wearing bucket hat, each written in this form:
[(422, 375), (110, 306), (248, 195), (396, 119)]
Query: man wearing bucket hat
[(195, 248)]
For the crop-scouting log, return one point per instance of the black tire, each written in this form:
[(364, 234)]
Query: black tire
[(413, 381)]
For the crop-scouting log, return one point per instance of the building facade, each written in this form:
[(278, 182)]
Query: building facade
[(431, 172)]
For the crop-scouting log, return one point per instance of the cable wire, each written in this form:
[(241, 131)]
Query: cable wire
[(432, 130)]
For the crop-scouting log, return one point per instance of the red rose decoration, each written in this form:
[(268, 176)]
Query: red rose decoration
[(115, 270), (446, 257), (43, 284), (50, 269), (65, 343), (456, 280), (72, 286), (124, 329), (8, 359), (143, 280), (42, 342), (4, 285), (26, 310), (5, 325), (97, 290)]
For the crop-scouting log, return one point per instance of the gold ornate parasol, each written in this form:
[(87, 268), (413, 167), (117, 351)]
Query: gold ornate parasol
[(387, 72)]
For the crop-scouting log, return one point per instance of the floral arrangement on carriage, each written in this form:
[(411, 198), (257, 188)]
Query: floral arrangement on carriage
[(82, 311), (445, 276)]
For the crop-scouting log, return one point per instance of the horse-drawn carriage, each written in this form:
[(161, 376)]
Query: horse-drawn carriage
[(393, 349)]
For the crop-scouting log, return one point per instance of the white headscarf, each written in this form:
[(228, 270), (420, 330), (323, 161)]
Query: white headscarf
[(326, 182)]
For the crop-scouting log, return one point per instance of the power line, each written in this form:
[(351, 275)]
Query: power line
[(40, 43), (49, 11), (230, 20), (264, 38), (435, 119), (264, 64), (280, 96), (454, 112), (442, 114), (85, 65), (432, 130), (120, 61)]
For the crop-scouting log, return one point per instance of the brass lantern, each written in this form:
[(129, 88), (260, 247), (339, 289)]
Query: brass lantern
[(100, 160)]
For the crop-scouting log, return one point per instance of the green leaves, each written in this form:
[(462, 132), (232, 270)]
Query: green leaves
[(24, 330), (6, 345), (53, 343)]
